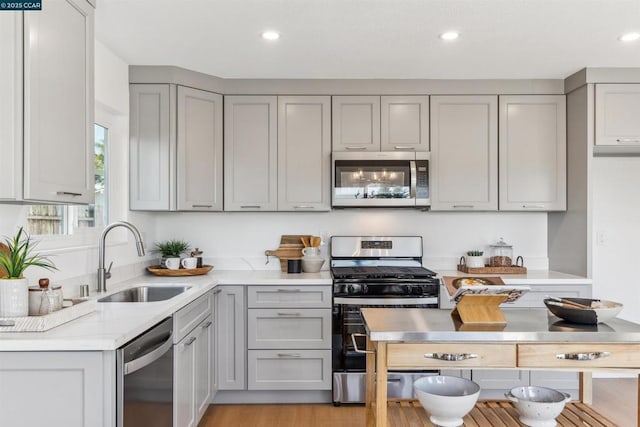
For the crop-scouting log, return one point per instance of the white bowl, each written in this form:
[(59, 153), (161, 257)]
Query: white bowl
[(538, 406), (446, 399), (312, 265)]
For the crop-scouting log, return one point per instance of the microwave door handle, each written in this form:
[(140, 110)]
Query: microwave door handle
[(414, 178)]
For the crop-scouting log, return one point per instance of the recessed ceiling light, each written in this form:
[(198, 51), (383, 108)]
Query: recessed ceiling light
[(450, 35), (271, 35), (629, 37)]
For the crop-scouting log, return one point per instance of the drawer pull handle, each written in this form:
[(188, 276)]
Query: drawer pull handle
[(217, 291), (289, 290), (532, 207), (289, 355), (206, 325), (303, 207), (583, 356), (250, 207), (288, 314), (403, 147), (356, 148), (68, 193), (190, 341), (201, 206), (628, 140), (451, 357), (463, 206), (355, 345)]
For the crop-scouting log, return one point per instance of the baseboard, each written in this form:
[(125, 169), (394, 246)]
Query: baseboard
[(259, 396)]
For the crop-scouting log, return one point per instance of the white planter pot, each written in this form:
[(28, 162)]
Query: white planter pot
[(14, 297), (474, 261)]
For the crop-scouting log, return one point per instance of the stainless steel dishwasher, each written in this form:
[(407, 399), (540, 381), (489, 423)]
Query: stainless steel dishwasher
[(144, 380)]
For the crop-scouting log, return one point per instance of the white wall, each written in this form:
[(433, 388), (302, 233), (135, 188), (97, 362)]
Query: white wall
[(616, 231), (239, 239)]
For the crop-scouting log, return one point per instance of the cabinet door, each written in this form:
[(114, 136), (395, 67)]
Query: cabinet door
[(289, 369), (304, 153), (533, 150), (271, 328), (184, 380), (464, 153), (199, 157), (250, 153), (617, 114), (11, 105), (356, 123), (230, 335), (404, 123), (58, 103), (203, 366), (151, 147)]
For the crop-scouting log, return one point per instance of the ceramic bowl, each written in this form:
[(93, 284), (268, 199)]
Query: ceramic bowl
[(601, 310), (538, 406), (312, 265), (446, 399)]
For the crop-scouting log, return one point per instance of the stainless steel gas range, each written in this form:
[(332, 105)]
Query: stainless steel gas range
[(373, 271)]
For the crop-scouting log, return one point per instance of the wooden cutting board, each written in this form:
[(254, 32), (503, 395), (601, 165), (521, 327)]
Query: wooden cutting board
[(4, 248), (290, 248)]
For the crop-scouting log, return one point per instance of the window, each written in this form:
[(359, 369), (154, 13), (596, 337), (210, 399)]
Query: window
[(69, 219)]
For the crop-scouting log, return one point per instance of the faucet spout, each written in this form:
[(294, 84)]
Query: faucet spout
[(103, 275)]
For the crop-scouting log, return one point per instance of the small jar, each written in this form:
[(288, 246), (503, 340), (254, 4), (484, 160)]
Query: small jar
[(197, 254), (44, 298), (501, 254)]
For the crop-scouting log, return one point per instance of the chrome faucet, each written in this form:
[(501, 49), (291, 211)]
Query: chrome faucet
[(103, 274)]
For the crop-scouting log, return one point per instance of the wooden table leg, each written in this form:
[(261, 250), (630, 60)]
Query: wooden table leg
[(586, 388), (381, 384), (370, 385)]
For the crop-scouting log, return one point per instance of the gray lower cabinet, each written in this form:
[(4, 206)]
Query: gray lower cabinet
[(193, 361), (70, 389), (230, 338), (289, 337)]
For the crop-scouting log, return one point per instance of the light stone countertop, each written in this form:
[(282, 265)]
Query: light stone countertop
[(114, 324), (533, 277)]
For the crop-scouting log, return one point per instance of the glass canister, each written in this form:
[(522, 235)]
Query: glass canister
[(501, 254)]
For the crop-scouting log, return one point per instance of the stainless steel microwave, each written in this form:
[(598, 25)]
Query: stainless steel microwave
[(380, 179)]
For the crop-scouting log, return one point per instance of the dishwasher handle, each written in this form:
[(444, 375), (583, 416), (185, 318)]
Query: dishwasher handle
[(147, 359)]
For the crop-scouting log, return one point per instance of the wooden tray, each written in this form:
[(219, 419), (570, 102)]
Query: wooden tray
[(491, 413), (159, 271), (514, 269), (45, 322)]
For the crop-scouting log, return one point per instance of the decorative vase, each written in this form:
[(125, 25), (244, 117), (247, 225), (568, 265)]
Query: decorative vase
[(14, 297), (474, 261)]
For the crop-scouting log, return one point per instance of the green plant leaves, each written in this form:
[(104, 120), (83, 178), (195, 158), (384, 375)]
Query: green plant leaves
[(21, 256)]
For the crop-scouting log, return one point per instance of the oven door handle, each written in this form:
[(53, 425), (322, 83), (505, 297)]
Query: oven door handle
[(142, 361), (355, 345)]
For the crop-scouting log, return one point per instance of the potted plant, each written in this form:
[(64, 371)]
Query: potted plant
[(15, 258), (474, 259), (170, 251)]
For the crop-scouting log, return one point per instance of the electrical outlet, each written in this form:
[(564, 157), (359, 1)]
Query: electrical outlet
[(602, 237)]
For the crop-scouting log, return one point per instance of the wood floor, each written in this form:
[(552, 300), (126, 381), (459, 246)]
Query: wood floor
[(614, 398)]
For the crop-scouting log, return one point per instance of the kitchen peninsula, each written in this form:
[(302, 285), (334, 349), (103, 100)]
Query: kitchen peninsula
[(407, 339)]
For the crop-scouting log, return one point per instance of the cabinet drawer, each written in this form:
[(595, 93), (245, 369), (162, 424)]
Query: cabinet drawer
[(185, 319), (289, 369), (592, 355), (469, 355), (289, 328), (288, 296)]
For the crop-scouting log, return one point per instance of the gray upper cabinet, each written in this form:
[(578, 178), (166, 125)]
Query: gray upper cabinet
[(199, 159), (304, 153), (175, 148), (404, 123), (464, 153), (151, 147), (38, 78), (617, 114), (533, 150), (356, 123), (11, 105), (250, 153)]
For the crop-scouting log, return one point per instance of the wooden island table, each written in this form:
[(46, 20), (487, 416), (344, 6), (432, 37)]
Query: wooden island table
[(422, 339)]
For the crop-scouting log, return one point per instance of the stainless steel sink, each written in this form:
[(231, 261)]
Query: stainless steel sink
[(145, 294)]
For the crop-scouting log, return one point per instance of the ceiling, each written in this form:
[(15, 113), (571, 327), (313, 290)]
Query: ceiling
[(373, 38)]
